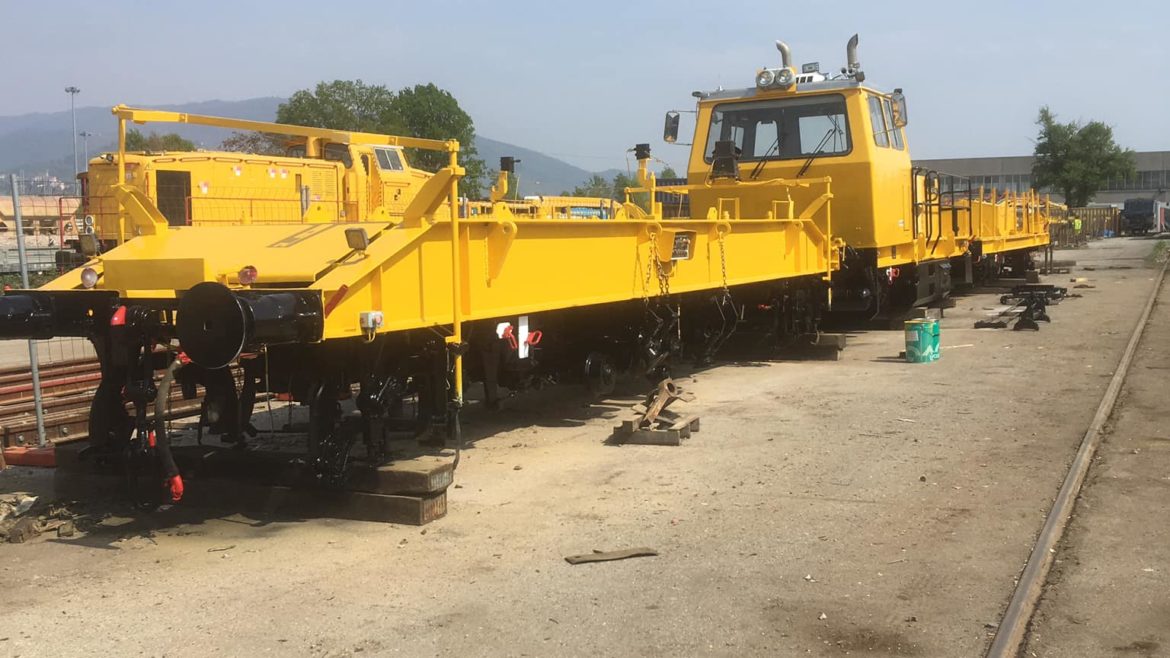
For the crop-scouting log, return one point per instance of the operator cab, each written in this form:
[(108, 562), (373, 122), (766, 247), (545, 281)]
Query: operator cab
[(806, 125)]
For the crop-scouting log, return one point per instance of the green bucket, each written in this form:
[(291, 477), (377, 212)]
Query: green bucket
[(922, 341)]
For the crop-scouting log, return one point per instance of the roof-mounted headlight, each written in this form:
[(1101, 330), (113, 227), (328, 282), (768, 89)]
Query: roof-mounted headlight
[(775, 78)]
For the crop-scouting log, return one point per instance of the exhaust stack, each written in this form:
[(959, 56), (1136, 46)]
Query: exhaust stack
[(785, 54), (852, 65), (851, 55)]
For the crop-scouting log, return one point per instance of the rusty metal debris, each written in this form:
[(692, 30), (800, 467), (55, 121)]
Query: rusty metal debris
[(609, 556), (653, 423)]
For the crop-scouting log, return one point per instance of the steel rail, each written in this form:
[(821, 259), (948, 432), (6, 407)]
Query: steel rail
[(1010, 636)]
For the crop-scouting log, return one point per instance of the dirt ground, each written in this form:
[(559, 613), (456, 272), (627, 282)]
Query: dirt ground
[(1107, 594), (865, 506)]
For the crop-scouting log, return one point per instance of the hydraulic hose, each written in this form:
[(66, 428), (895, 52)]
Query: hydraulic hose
[(163, 442)]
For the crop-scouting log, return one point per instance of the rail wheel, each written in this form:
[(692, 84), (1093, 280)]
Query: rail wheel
[(600, 374)]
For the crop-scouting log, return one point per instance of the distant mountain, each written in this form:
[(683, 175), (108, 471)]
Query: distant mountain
[(33, 144), (36, 143), (538, 174)]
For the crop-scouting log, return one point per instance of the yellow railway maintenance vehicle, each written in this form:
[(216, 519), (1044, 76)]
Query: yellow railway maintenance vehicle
[(327, 177), (904, 227), (389, 309)]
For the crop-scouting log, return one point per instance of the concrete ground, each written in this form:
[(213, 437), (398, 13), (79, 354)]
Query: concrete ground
[(865, 506), (1107, 594)]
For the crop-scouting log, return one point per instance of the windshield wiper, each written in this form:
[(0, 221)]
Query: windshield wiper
[(835, 130), (760, 165)]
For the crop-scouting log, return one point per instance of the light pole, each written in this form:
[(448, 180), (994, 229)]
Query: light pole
[(73, 92), (85, 135)]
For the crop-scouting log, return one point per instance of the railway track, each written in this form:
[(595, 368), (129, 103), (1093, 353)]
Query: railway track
[(66, 391), (1011, 634)]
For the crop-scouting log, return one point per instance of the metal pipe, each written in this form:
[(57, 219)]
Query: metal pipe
[(456, 279), (73, 91), (785, 54), (851, 54), (32, 345), (85, 135), (121, 176)]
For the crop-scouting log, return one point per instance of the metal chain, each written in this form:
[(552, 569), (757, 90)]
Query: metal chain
[(723, 261), (655, 264), (663, 277), (649, 268)]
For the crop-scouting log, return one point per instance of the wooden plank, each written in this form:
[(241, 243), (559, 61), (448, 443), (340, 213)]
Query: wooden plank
[(654, 438), (421, 475), (228, 496)]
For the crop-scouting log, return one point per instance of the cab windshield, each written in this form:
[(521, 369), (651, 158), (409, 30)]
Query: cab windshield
[(781, 129)]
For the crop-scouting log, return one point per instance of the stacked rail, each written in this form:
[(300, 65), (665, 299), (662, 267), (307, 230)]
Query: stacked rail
[(67, 388)]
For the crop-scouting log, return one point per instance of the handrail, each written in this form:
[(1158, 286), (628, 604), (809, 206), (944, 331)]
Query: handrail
[(141, 116)]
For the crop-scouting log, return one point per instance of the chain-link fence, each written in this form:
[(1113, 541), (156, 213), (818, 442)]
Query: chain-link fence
[(34, 226)]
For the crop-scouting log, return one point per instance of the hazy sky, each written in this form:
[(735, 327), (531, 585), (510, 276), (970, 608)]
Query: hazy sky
[(584, 81)]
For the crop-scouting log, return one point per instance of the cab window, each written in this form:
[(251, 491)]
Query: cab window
[(781, 129), (895, 131), (338, 153), (880, 136), (389, 159)]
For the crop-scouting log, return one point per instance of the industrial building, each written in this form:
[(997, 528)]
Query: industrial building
[(1151, 181)]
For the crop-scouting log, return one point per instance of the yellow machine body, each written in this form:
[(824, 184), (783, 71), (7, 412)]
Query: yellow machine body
[(212, 187), (510, 264), (868, 162), (328, 176), (881, 201), (1013, 222), (413, 263)]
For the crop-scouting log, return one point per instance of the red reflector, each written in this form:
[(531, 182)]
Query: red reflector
[(335, 299), (118, 319), (176, 485), (151, 440)]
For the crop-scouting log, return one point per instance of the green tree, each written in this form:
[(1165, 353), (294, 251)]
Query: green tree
[(433, 113), (258, 143), (420, 111), (155, 143), (342, 105), (1077, 159), (621, 182), (596, 186), (668, 172)]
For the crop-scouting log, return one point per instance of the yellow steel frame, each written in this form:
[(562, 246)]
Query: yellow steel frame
[(430, 268), (1012, 221), (150, 222)]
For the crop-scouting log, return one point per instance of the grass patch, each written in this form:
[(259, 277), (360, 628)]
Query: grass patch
[(1159, 253), (35, 279)]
